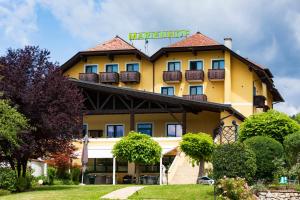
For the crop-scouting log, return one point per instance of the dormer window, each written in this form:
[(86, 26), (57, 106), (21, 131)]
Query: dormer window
[(218, 64), (112, 68), (91, 69), (196, 65), (174, 66), (132, 67)]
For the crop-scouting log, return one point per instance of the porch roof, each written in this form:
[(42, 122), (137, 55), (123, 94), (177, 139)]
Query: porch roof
[(172, 101)]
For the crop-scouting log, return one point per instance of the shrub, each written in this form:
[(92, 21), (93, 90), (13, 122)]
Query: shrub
[(75, 174), (51, 175), (198, 147), (234, 189), (8, 179), (4, 192), (266, 150), (23, 183), (272, 123), (234, 160), (292, 147)]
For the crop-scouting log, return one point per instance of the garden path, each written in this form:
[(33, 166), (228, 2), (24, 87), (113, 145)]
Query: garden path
[(123, 193)]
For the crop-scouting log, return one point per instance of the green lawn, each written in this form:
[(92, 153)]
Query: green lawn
[(64, 192), (189, 192)]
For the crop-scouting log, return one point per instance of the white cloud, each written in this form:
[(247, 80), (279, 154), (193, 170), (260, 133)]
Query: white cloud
[(270, 52), (18, 20), (289, 88), (293, 21)]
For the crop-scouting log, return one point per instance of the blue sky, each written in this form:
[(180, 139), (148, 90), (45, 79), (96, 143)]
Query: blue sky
[(267, 32)]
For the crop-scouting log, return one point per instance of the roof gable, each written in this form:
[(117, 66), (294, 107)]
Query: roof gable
[(197, 39), (116, 43)]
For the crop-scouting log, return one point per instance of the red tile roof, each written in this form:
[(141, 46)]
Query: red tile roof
[(197, 39), (116, 43)]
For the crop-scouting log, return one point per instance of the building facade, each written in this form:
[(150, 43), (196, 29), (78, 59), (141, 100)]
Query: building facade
[(194, 85)]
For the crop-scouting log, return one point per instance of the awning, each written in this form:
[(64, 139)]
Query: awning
[(105, 152)]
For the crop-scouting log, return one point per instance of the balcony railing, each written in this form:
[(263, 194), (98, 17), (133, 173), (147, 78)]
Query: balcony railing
[(91, 77), (259, 101), (109, 77), (130, 77), (172, 76), (194, 75), (197, 97), (266, 108), (216, 74)]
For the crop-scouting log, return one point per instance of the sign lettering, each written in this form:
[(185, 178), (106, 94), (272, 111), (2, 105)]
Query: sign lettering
[(158, 35)]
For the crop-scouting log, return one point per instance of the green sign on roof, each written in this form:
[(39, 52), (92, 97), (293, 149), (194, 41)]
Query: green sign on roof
[(158, 35)]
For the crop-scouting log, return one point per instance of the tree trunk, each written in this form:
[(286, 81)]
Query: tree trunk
[(18, 168), (11, 163), (137, 173), (201, 168), (24, 168)]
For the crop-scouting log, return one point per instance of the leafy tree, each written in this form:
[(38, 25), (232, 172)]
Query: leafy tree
[(296, 118), (199, 147), (292, 148), (50, 102), (272, 123), (234, 160), (266, 150), (138, 148), (11, 123)]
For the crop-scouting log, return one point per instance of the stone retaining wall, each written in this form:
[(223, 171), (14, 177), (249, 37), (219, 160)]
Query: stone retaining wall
[(279, 195)]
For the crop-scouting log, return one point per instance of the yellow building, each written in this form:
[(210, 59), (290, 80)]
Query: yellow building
[(194, 85)]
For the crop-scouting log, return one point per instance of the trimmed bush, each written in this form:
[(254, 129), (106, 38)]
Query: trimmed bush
[(8, 179), (292, 147), (266, 150), (75, 174), (234, 160), (51, 175), (274, 124), (199, 147)]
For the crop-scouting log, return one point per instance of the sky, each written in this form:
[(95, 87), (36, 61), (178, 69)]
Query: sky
[(267, 32)]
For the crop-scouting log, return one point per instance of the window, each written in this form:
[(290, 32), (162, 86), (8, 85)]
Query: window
[(254, 90), (114, 131), (95, 133), (132, 67), (150, 168), (174, 130), (167, 91), (105, 165), (91, 69), (195, 90), (112, 68), (84, 129), (218, 64), (196, 65), (145, 128), (173, 66)]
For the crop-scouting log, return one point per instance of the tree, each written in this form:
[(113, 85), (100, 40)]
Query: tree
[(50, 102), (199, 147), (272, 123), (296, 118), (137, 148), (292, 148), (11, 123), (266, 150), (234, 160)]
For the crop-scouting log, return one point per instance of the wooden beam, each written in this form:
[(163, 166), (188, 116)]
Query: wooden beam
[(183, 122), (105, 102), (90, 100), (126, 111), (132, 121)]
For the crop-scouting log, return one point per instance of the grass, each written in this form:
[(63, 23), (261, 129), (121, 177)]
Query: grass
[(64, 192), (191, 192)]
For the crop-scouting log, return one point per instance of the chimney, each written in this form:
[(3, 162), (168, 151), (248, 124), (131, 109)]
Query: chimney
[(228, 42)]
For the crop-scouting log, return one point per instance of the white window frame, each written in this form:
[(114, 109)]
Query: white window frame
[(112, 64), (194, 86), (84, 68), (189, 63), (167, 86), (152, 123), (166, 128), (168, 61), (215, 59), (113, 125), (133, 63)]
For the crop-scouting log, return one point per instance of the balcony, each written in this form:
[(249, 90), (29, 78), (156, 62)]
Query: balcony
[(197, 97), (91, 77), (194, 75), (266, 108), (259, 101), (130, 77), (172, 76), (109, 77), (216, 74)]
